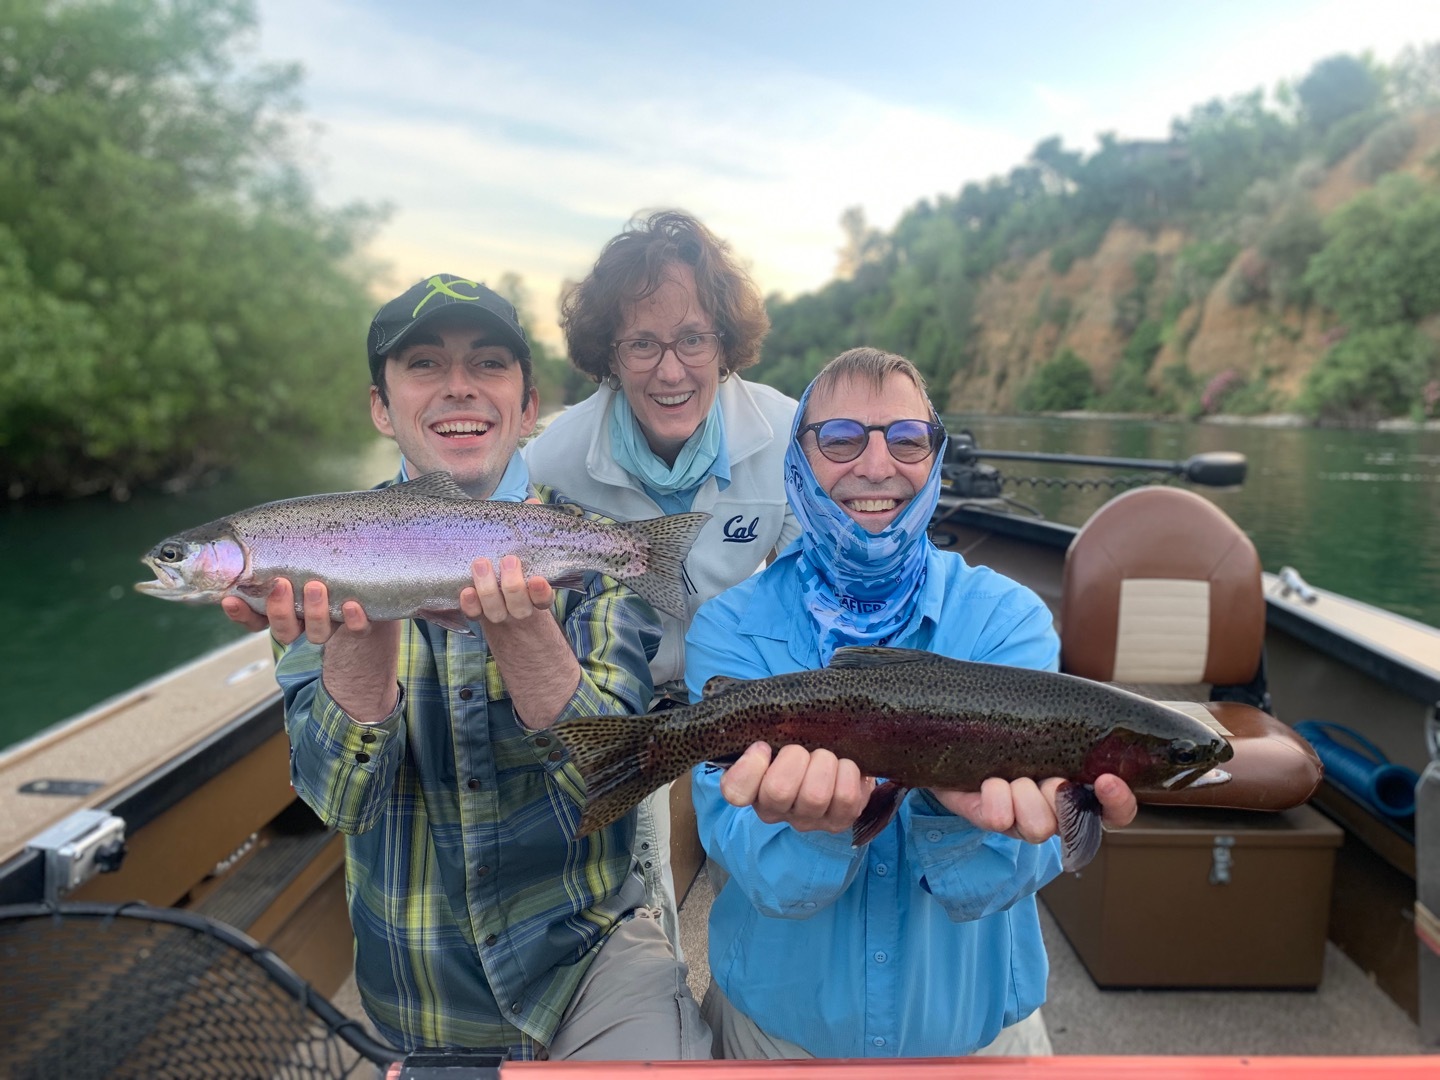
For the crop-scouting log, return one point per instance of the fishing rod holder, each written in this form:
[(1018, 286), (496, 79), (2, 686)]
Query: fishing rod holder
[(1215, 468), (86, 843)]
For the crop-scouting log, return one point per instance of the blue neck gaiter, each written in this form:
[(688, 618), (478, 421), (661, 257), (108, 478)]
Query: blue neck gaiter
[(858, 586), (633, 453)]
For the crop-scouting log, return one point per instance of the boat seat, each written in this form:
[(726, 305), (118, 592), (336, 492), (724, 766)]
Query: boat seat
[(1162, 594)]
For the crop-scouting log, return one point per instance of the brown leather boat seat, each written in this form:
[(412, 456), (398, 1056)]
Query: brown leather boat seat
[(1162, 594)]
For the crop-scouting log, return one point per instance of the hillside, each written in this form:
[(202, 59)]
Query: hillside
[(1277, 252), (1015, 332)]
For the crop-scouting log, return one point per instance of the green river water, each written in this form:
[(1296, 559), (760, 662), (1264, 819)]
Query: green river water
[(1354, 511)]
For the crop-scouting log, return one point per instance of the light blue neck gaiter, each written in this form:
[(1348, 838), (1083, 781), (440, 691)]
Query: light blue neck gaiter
[(633, 454), (858, 586), (514, 485)]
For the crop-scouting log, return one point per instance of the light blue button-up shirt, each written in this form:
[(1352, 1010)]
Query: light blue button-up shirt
[(924, 942)]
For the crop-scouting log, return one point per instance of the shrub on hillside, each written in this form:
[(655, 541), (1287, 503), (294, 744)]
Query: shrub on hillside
[(1063, 384), (1371, 374), (1384, 150)]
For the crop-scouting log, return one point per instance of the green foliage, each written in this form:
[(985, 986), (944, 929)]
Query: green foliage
[(1381, 263), (1287, 244), (1371, 374), (1349, 133), (1385, 148), (1064, 384), (1201, 264), (1237, 174), (170, 289), (1337, 88)]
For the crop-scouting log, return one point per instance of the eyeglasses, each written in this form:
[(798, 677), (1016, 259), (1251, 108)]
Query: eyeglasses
[(843, 440), (642, 354)]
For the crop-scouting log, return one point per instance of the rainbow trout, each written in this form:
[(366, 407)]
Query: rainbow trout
[(917, 720), (405, 551)]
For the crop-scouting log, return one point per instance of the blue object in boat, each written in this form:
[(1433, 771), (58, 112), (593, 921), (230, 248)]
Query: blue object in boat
[(1366, 773)]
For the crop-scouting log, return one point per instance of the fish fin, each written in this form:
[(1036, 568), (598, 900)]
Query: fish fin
[(437, 485), (668, 540), (615, 756), (878, 812), (569, 509), (452, 619), (865, 656), (1079, 824), (571, 579), (718, 683)]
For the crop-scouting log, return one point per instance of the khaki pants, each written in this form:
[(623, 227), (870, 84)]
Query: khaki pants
[(739, 1037), (633, 1004), (652, 852)]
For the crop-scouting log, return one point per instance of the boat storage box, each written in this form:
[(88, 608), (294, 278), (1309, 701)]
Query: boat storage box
[(1190, 897)]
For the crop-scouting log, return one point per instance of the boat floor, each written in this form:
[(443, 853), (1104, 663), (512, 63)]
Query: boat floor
[(1346, 1015)]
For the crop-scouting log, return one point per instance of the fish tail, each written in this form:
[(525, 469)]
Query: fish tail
[(668, 540), (1079, 824), (616, 757)]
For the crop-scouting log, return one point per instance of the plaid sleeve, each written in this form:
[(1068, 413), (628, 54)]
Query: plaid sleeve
[(342, 769)]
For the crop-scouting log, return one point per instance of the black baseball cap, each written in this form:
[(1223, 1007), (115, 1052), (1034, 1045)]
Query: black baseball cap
[(427, 298)]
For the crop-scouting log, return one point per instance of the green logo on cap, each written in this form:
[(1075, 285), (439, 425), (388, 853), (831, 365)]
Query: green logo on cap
[(441, 288)]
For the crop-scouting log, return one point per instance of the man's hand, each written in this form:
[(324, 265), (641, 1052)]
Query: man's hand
[(806, 790), (507, 597), (286, 626), (515, 614), (1026, 810)]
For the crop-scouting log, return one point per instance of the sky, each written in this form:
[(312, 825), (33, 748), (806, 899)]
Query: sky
[(519, 137)]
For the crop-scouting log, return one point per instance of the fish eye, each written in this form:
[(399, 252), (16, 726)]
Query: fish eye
[(1183, 751), (171, 552)]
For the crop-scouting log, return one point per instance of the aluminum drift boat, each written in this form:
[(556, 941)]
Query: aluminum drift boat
[(187, 774)]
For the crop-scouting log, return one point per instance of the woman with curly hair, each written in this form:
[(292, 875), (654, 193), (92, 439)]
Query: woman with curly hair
[(664, 322)]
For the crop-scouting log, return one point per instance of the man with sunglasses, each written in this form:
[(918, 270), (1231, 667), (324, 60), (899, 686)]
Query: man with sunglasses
[(925, 941)]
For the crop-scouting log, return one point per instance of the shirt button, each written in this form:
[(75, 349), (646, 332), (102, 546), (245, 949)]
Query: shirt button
[(482, 870), (881, 869), (555, 755), (880, 958), (362, 757), (369, 736), (466, 693), (473, 784), (515, 1007), (878, 1041), (542, 741), (933, 836), (491, 940)]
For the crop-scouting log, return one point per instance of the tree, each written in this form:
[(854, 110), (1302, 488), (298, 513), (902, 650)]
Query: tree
[(1337, 87), (172, 286), (1381, 262)]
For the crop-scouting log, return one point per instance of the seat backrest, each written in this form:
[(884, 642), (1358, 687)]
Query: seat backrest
[(1161, 586)]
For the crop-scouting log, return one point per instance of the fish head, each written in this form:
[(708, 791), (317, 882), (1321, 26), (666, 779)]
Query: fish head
[(198, 567), (1191, 758), (1165, 758)]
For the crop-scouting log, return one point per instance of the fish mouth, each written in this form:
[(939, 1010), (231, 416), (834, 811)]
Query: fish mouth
[(168, 585), (1200, 776)]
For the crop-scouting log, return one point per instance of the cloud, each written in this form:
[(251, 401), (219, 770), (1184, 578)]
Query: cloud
[(493, 164)]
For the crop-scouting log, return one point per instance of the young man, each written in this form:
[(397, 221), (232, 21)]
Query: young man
[(926, 940), (479, 921)]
